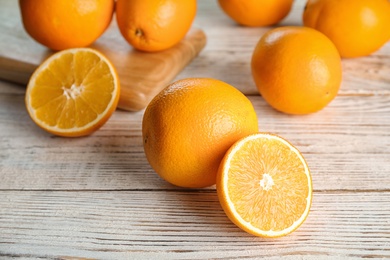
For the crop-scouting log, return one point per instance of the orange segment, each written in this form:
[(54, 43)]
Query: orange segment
[(264, 185), (73, 92)]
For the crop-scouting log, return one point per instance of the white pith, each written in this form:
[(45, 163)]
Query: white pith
[(70, 93), (231, 206)]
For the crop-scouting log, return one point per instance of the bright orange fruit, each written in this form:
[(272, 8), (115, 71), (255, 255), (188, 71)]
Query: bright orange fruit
[(256, 12), (297, 70), (154, 25), (357, 28), (73, 93), (60, 24), (264, 185), (188, 127)]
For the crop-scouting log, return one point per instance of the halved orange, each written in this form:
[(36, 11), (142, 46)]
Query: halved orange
[(264, 185), (73, 93)]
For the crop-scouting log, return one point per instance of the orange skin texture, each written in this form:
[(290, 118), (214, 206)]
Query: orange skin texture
[(154, 25), (357, 28), (297, 70), (188, 127), (60, 25), (256, 12)]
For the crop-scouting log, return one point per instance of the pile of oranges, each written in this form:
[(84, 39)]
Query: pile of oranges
[(151, 25), (297, 70), (199, 132), (74, 92)]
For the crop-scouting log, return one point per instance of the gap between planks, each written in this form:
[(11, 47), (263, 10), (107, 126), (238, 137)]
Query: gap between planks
[(184, 190)]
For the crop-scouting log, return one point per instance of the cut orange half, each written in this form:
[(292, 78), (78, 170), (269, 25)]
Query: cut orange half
[(264, 185), (73, 93)]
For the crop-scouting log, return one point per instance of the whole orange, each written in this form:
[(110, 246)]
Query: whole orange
[(59, 24), (256, 12), (357, 28), (188, 127), (154, 25), (297, 70)]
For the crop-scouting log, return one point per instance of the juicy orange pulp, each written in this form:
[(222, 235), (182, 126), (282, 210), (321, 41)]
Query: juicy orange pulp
[(73, 93), (264, 185)]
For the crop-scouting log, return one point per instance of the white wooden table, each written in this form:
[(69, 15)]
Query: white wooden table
[(97, 197)]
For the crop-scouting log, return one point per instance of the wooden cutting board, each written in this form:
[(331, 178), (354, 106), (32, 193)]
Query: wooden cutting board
[(142, 75)]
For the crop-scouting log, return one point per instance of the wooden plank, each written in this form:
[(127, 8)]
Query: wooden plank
[(362, 76), (97, 198), (185, 225), (347, 146)]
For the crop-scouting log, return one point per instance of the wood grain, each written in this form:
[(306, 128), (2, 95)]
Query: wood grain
[(351, 136), (185, 225), (142, 75), (96, 197)]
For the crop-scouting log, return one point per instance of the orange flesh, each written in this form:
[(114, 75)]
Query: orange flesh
[(267, 185), (72, 91)]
